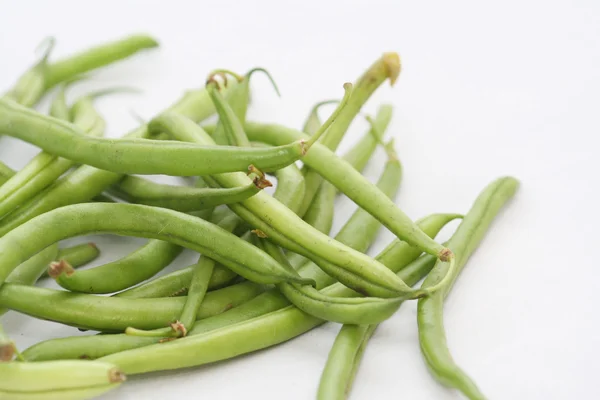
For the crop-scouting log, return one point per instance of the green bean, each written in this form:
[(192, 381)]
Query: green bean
[(86, 182), (140, 221), (6, 173), (361, 152), (180, 198), (430, 310), (130, 270), (115, 314), (79, 255), (268, 215), (386, 67), (59, 107), (43, 76), (45, 168), (97, 346), (57, 379), (177, 283), (237, 339), (290, 187), (237, 102), (346, 353), (139, 156), (313, 122), (31, 270), (354, 185), (198, 287)]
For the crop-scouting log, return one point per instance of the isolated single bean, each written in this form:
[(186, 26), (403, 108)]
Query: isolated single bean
[(140, 221), (32, 85), (115, 314), (87, 182), (118, 275), (430, 316), (397, 256), (135, 189)]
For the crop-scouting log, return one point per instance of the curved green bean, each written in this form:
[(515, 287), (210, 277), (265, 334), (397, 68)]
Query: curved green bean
[(430, 310), (354, 185), (45, 168), (198, 287), (139, 156), (86, 182), (313, 122), (177, 283), (57, 379), (386, 67), (115, 314), (31, 270), (180, 198), (79, 255), (288, 230), (140, 221), (32, 85), (237, 102), (272, 300), (233, 340), (130, 270)]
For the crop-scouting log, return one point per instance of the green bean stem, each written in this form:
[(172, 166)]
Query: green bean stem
[(430, 316)]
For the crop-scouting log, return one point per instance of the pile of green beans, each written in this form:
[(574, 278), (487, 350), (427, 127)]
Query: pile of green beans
[(268, 268)]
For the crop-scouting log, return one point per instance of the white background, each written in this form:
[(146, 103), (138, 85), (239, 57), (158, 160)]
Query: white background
[(487, 89)]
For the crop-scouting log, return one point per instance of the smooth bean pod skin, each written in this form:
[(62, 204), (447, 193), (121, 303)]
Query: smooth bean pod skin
[(115, 314), (234, 340), (57, 375), (137, 156), (396, 257), (6, 173), (130, 270), (86, 182), (430, 319), (177, 284), (79, 255), (31, 270), (290, 187), (140, 221), (286, 229), (386, 67), (352, 184), (64, 394), (138, 190), (45, 168), (32, 85)]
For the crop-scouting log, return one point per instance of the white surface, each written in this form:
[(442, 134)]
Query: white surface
[(487, 89)]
